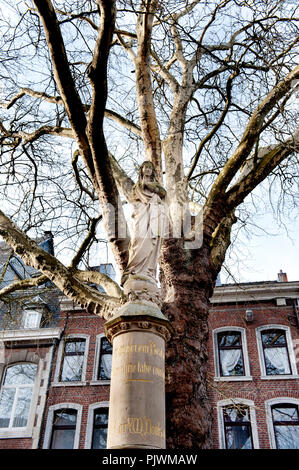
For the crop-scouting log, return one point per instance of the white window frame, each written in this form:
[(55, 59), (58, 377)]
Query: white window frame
[(268, 405), (90, 419), (26, 315), (95, 380), (237, 401), (24, 432), (50, 419), (231, 378), (58, 383), (290, 349)]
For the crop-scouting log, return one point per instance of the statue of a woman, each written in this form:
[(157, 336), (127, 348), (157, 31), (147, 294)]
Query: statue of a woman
[(149, 223)]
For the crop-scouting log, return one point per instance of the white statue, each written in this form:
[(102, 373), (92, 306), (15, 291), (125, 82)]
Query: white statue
[(150, 224)]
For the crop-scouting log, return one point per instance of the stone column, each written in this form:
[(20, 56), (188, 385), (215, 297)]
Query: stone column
[(138, 333)]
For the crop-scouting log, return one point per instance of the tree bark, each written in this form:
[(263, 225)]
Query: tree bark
[(188, 282)]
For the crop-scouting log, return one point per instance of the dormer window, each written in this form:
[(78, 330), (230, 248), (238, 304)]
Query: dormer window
[(31, 319)]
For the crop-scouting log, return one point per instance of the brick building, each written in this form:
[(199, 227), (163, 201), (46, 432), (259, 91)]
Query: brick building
[(55, 376)]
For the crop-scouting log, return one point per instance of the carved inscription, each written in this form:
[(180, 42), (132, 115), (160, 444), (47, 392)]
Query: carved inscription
[(139, 370), (142, 426)]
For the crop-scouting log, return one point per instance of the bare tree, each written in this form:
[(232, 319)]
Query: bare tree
[(205, 90)]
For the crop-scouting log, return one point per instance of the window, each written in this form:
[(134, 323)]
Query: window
[(102, 361), (276, 352), (105, 360), (286, 426), (231, 358), (16, 395), (237, 424), (72, 363), (31, 319), (100, 427), (97, 426), (237, 427), (63, 430), (230, 353), (275, 349), (63, 426)]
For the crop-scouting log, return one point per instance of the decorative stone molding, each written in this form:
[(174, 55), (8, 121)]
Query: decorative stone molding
[(138, 316), (139, 287)]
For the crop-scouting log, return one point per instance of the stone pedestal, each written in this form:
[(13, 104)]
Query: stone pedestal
[(138, 333)]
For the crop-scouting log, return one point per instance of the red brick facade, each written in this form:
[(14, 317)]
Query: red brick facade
[(271, 306)]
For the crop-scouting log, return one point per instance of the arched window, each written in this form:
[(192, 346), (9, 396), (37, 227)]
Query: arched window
[(64, 429), (97, 426), (283, 422), (102, 361), (230, 353), (237, 424), (63, 426), (276, 352), (16, 395), (100, 426)]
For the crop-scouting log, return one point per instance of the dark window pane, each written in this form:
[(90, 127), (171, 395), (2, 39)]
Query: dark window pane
[(236, 414), (273, 338), (105, 360), (99, 438), (64, 427), (286, 426), (65, 418), (275, 352), (237, 427), (238, 437), (72, 369), (73, 359), (287, 437), (285, 413), (74, 346), (63, 439), (229, 338), (101, 417), (230, 353)]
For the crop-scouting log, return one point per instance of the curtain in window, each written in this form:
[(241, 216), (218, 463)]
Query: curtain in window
[(229, 359), (237, 428), (277, 361), (105, 367)]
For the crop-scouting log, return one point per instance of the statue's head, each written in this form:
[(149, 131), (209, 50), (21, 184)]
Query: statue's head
[(147, 165)]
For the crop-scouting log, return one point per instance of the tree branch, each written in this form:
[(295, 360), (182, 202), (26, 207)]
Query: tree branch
[(251, 134), (148, 119), (33, 255), (258, 168), (23, 284), (90, 235), (64, 79)]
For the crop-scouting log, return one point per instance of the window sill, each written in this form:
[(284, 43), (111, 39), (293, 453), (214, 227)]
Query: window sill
[(234, 378), (279, 377), (15, 433), (68, 384), (99, 382)]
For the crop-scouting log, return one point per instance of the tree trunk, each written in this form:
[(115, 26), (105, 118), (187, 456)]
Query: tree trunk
[(187, 281)]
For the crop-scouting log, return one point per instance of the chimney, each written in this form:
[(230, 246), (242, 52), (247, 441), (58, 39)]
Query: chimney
[(282, 277)]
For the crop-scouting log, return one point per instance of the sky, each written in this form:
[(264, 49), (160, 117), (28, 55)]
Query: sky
[(266, 255)]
